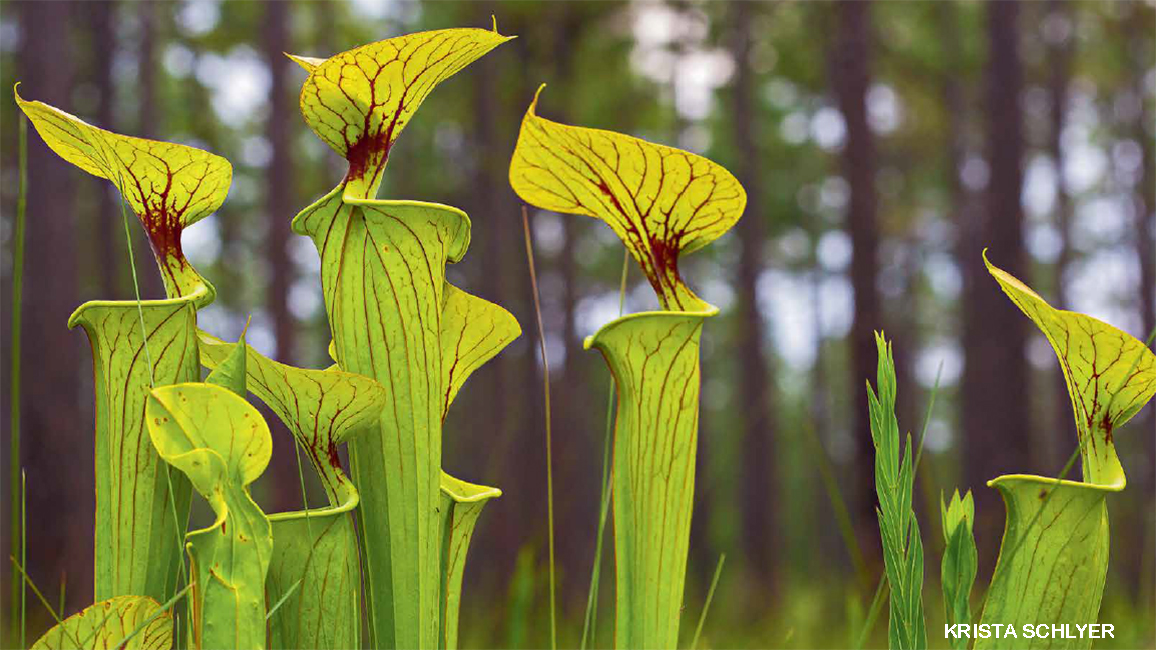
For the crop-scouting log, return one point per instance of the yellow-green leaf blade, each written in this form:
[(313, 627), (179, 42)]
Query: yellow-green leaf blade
[(1110, 374), (321, 408), (359, 101), (314, 551), (1054, 556), (169, 186), (661, 201), (104, 625), (473, 331)]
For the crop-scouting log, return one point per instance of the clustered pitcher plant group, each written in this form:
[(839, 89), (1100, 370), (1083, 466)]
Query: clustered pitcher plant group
[(394, 534), (392, 538)]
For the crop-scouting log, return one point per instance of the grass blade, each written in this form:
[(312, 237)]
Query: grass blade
[(164, 608), (549, 436), (590, 620), (16, 494), (44, 601), (709, 598), (24, 558), (281, 601), (873, 612)]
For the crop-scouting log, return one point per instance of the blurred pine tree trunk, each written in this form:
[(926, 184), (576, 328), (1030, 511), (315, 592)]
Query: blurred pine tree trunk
[(1061, 50), (851, 80), (578, 422), (995, 403), (108, 229), (1137, 535), (1140, 47), (55, 436), (756, 392), (279, 193), (279, 210)]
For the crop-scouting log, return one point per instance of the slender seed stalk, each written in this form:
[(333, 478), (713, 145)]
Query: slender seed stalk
[(16, 494), (549, 436)]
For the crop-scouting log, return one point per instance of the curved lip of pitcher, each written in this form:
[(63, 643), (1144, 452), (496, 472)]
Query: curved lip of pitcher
[(588, 342), (1056, 482)]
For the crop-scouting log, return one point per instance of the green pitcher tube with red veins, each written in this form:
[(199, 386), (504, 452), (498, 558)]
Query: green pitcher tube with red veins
[(1053, 561), (169, 187), (662, 202), (383, 280)]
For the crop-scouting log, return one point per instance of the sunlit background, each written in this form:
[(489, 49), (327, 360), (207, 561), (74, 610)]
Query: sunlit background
[(883, 144)]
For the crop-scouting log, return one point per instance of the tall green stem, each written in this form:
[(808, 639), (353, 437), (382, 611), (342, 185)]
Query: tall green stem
[(16, 494)]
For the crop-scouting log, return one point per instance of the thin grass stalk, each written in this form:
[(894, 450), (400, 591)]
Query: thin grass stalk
[(63, 580), (152, 383), (709, 599), (24, 558), (839, 504), (16, 496), (549, 436), (25, 578), (590, 620), (284, 597), (164, 608)]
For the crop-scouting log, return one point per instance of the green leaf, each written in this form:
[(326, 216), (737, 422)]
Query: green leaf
[(654, 358), (137, 538), (169, 186), (102, 627), (222, 444), (1054, 556), (662, 202), (894, 482), (359, 101), (461, 505), (959, 564), (314, 549)]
